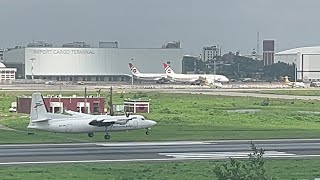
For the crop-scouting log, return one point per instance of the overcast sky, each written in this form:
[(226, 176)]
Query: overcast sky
[(233, 24)]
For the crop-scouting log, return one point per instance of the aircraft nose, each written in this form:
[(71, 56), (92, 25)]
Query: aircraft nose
[(151, 123)]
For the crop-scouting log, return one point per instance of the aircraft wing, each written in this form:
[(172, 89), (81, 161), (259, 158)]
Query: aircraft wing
[(110, 121)]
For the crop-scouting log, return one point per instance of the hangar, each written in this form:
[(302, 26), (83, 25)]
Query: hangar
[(307, 60), (89, 64)]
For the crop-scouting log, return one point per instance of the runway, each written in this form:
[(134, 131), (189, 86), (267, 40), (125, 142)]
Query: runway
[(16, 154)]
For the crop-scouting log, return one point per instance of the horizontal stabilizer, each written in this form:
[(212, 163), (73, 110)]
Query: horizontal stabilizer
[(40, 120), (78, 114)]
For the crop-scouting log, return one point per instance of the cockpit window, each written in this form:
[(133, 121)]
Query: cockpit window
[(142, 118)]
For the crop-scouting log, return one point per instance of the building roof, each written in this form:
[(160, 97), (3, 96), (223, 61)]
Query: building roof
[(312, 49), (2, 65)]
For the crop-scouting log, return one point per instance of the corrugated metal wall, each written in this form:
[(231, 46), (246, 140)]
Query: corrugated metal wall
[(99, 61)]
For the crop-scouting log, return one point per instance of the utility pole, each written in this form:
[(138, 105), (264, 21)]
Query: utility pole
[(258, 48), (85, 100), (32, 66), (132, 74), (60, 98), (214, 67), (110, 102), (295, 70)]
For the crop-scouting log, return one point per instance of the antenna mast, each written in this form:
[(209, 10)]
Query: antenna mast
[(257, 50)]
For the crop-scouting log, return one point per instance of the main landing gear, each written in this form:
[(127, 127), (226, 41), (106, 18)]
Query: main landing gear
[(107, 136), (90, 134)]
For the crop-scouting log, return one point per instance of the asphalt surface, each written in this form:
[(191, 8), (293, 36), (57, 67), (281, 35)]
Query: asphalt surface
[(237, 92), (153, 151)]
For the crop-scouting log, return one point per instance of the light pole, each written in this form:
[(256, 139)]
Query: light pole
[(132, 74), (295, 70), (32, 64)]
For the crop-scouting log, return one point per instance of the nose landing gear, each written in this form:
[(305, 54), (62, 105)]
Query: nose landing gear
[(147, 132)]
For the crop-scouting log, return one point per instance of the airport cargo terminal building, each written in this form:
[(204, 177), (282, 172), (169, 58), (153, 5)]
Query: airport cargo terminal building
[(89, 64)]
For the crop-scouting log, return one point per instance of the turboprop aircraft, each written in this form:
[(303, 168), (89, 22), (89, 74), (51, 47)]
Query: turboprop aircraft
[(82, 123), (293, 84)]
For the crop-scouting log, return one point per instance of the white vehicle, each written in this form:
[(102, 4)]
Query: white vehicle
[(13, 109), (209, 79), (158, 78), (82, 123)]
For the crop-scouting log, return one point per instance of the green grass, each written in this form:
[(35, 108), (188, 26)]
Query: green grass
[(279, 169), (188, 117), (297, 92)]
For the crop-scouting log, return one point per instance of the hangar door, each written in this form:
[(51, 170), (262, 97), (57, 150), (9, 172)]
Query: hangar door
[(310, 67)]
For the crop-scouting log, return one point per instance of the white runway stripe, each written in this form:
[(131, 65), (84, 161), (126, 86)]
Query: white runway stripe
[(224, 154), (153, 143)]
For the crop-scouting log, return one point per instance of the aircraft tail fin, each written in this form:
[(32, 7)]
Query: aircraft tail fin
[(38, 111), (168, 69), (133, 69), (286, 79)]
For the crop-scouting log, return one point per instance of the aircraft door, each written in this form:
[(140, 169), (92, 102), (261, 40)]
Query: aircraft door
[(135, 124), (69, 128)]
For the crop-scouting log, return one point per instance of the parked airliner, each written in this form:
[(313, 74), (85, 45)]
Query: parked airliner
[(209, 79), (158, 78)]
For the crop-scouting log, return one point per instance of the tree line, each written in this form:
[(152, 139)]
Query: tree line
[(238, 67)]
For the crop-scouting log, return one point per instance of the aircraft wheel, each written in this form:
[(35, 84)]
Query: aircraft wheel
[(90, 134), (107, 136), (147, 133)]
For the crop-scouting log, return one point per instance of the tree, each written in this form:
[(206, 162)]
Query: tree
[(280, 69), (251, 169)]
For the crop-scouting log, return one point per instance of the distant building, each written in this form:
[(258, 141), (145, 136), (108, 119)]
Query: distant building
[(253, 55), (172, 45), (39, 44), (268, 52), (210, 52), (189, 64), (1, 55), (137, 106), (76, 44), (88, 64), (56, 104), (108, 45), (7, 74)]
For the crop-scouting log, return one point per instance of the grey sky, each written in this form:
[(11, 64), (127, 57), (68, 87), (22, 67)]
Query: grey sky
[(149, 23)]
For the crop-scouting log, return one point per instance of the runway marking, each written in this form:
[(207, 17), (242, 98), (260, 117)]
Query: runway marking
[(154, 143), (225, 154)]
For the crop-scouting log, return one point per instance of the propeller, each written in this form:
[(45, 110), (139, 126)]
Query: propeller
[(127, 114)]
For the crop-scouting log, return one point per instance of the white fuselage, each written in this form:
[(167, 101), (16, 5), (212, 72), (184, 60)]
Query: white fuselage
[(195, 77), (81, 125), (150, 77)]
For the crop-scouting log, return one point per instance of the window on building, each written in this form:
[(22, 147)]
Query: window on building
[(96, 108), (57, 110)]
